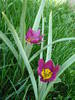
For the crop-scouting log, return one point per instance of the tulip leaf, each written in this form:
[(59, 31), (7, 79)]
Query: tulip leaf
[(54, 42), (23, 54), (49, 48), (41, 56), (58, 80), (42, 43), (22, 30), (64, 39), (22, 23)]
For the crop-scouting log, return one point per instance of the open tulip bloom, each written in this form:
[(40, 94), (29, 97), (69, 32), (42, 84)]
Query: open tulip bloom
[(47, 71), (33, 37)]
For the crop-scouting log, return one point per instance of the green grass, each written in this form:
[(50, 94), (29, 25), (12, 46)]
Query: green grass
[(12, 83)]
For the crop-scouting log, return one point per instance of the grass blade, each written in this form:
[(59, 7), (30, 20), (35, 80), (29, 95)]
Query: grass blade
[(13, 86), (23, 54), (26, 91), (36, 25), (22, 87)]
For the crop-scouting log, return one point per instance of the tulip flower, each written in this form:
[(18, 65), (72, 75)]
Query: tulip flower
[(33, 37), (47, 71)]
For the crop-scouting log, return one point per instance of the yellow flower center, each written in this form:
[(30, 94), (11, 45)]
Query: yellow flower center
[(46, 73)]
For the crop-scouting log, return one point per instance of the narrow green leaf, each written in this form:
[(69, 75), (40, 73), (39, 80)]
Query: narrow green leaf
[(22, 31), (39, 15), (49, 48), (36, 25), (9, 44), (66, 64), (64, 39), (23, 54), (45, 47), (41, 56), (42, 43), (22, 22), (58, 80)]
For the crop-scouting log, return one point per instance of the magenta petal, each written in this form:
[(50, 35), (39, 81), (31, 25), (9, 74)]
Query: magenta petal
[(29, 33), (33, 36), (34, 41), (41, 62), (30, 30), (41, 38), (41, 79), (40, 66), (38, 33), (39, 71), (49, 65), (52, 78), (56, 69)]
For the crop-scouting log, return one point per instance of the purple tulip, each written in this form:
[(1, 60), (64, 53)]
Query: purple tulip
[(33, 37), (47, 71)]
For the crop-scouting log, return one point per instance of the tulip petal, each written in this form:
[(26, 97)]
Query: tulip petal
[(29, 33), (34, 41), (40, 66), (48, 80), (52, 78), (41, 63), (37, 34), (39, 70), (49, 65), (56, 69), (33, 36), (42, 80)]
